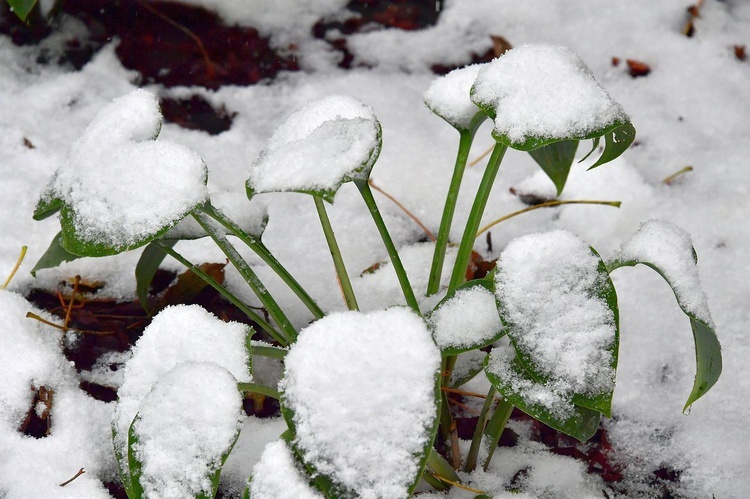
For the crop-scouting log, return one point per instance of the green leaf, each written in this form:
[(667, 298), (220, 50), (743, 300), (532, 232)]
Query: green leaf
[(451, 301), (616, 142), (517, 384), (46, 207), (605, 292), (54, 256), (458, 379), (22, 8), (132, 482), (555, 159), (707, 348), (146, 268)]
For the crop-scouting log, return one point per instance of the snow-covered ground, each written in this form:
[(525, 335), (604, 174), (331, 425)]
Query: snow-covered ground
[(692, 109)]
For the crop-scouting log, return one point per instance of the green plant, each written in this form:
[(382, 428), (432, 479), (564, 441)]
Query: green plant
[(549, 309)]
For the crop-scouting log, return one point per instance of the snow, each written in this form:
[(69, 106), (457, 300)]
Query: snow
[(180, 452), (670, 249), (468, 318), (448, 96), (691, 110), (326, 143), (121, 185), (547, 288), (542, 91), (277, 476), (178, 334), (362, 390)]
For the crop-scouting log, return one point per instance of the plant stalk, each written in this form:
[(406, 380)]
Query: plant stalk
[(338, 261), (476, 440), (364, 189), (495, 428), (436, 270), (262, 251), (249, 276), (250, 313), (475, 217)]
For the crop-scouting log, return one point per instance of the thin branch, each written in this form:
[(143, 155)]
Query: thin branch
[(672, 177), (15, 268), (403, 208), (66, 482), (32, 315)]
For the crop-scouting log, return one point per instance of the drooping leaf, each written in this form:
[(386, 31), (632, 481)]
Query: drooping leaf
[(616, 142), (555, 159), (466, 319), (517, 386), (22, 8), (448, 97), (54, 256), (46, 207), (668, 250)]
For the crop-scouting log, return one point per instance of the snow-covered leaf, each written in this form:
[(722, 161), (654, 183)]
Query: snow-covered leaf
[(509, 376), (278, 476), (360, 393), (183, 432), (560, 308), (540, 94), (118, 188), (448, 97), (668, 250), (176, 335), (466, 319), (330, 141)]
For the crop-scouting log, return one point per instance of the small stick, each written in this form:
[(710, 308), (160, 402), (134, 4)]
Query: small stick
[(456, 484), (672, 177), (403, 208), (202, 48), (549, 204), (461, 392), (80, 472), (482, 156), (462, 406), (68, 312), (15, 268), (32, 315)]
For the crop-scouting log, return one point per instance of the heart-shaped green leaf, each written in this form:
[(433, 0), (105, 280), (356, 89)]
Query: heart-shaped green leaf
[(176, 452), (118, 188), (668, 250), (541, 401), (555, 159), (466, 319), (560, 308), (333, 140), (361, 393), (448, 97), (541, 94)]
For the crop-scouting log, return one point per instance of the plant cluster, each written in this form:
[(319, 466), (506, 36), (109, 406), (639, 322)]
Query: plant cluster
[(364, 394)]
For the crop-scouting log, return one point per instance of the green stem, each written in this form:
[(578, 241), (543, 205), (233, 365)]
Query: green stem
[(495, 428), (475, 217), (338, 261), (249, 276), (364, 189), (270, 352), (250, 313), (464, 146), (476, 440), (256, 388), (262, 251)]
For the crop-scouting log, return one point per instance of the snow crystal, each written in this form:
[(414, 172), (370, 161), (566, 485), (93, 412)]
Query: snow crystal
[(547, 286), (543, 91), (448, 96), (362, 390), (670, 249), (468, 318), (177, 334), (324, 144), (183, 433), (121, 184), (276, 476)]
